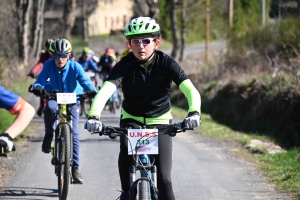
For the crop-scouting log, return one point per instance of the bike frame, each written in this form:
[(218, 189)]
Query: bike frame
[(148, 172), (62, 119)]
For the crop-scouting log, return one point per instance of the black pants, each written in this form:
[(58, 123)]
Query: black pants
[(163, 161)]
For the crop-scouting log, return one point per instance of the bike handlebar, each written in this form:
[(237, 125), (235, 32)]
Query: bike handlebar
[(52, 95), (170, 129)]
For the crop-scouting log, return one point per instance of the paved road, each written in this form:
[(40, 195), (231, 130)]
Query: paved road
[(202, 170), (196, 48)]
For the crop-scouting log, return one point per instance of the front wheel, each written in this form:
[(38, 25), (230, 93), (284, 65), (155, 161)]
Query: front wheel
[(143, 190), (64, 161)]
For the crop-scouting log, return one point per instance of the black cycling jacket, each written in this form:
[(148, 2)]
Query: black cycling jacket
[(147, 90)]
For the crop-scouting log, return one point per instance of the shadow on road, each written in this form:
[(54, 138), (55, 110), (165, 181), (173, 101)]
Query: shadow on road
[(27, 193)]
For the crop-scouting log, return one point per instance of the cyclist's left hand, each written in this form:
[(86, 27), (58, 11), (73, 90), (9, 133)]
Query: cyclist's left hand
[(91, 93), (93, 124), (192, 120), (6, 143)]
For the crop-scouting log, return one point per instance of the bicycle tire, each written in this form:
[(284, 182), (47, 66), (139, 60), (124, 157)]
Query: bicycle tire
[(112, 108), (64, 153), (143, 190), (87, 105)]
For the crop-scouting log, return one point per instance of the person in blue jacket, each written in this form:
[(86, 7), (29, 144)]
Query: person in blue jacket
[(86, 60), (66, 76)]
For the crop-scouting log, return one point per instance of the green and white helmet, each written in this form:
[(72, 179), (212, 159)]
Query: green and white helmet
[(142, 26)]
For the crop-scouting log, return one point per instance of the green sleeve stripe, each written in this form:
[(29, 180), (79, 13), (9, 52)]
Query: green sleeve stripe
[(162, 119), (192, 95), (101, 98)]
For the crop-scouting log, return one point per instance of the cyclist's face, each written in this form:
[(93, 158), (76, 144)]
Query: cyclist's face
[(143, 47), (61, 62)]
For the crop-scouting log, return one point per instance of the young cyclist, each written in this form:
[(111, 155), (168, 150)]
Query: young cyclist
[(66, 75), (146, 75), (107, 61), (36, 69), (86, 60), (89, 65), (24, 112)]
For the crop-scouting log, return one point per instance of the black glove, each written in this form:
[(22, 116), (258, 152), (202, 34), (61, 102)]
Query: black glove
[(38, 91), (31, 75), (91, 93), (6, 143)]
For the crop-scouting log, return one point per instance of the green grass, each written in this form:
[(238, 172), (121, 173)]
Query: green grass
[(282, 169), (78, 43)]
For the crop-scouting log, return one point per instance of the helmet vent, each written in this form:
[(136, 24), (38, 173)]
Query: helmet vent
[(147, 25)]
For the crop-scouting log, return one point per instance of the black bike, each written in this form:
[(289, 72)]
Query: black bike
[(144, 187)]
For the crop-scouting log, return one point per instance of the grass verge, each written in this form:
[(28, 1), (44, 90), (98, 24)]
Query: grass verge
[(282, 169)]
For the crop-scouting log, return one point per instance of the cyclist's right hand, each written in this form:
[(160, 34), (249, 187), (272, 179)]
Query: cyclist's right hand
[(38, 91), (6, 143), (93, 124)]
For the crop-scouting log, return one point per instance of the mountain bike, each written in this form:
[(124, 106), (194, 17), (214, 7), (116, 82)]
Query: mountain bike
[(62, 150), (142, 143)]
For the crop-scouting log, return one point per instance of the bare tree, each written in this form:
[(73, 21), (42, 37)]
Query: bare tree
[(23, 10), (84, 21), (172, 12), (183, 30), (146, 8), (68, 18), (37, 27)]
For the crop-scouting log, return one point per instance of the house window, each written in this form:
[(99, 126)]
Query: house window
[(112, 23), (95, 28), (124, 20), (117, 20), (105, 22)]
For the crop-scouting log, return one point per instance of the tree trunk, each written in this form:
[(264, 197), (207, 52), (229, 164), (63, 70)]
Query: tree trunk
[(23, 9), (298, 7), (207, 32), (38, 24), (172, 13), (68, 18), (230, 9), (153, 8), (84, 21), (183, 33), (148, 9)]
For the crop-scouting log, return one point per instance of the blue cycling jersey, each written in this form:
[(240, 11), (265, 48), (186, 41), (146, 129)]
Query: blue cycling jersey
[(10, 101), (88, 65)]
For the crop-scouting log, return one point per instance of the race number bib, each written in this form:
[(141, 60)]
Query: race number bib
[(66, 98), (142, 141)]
